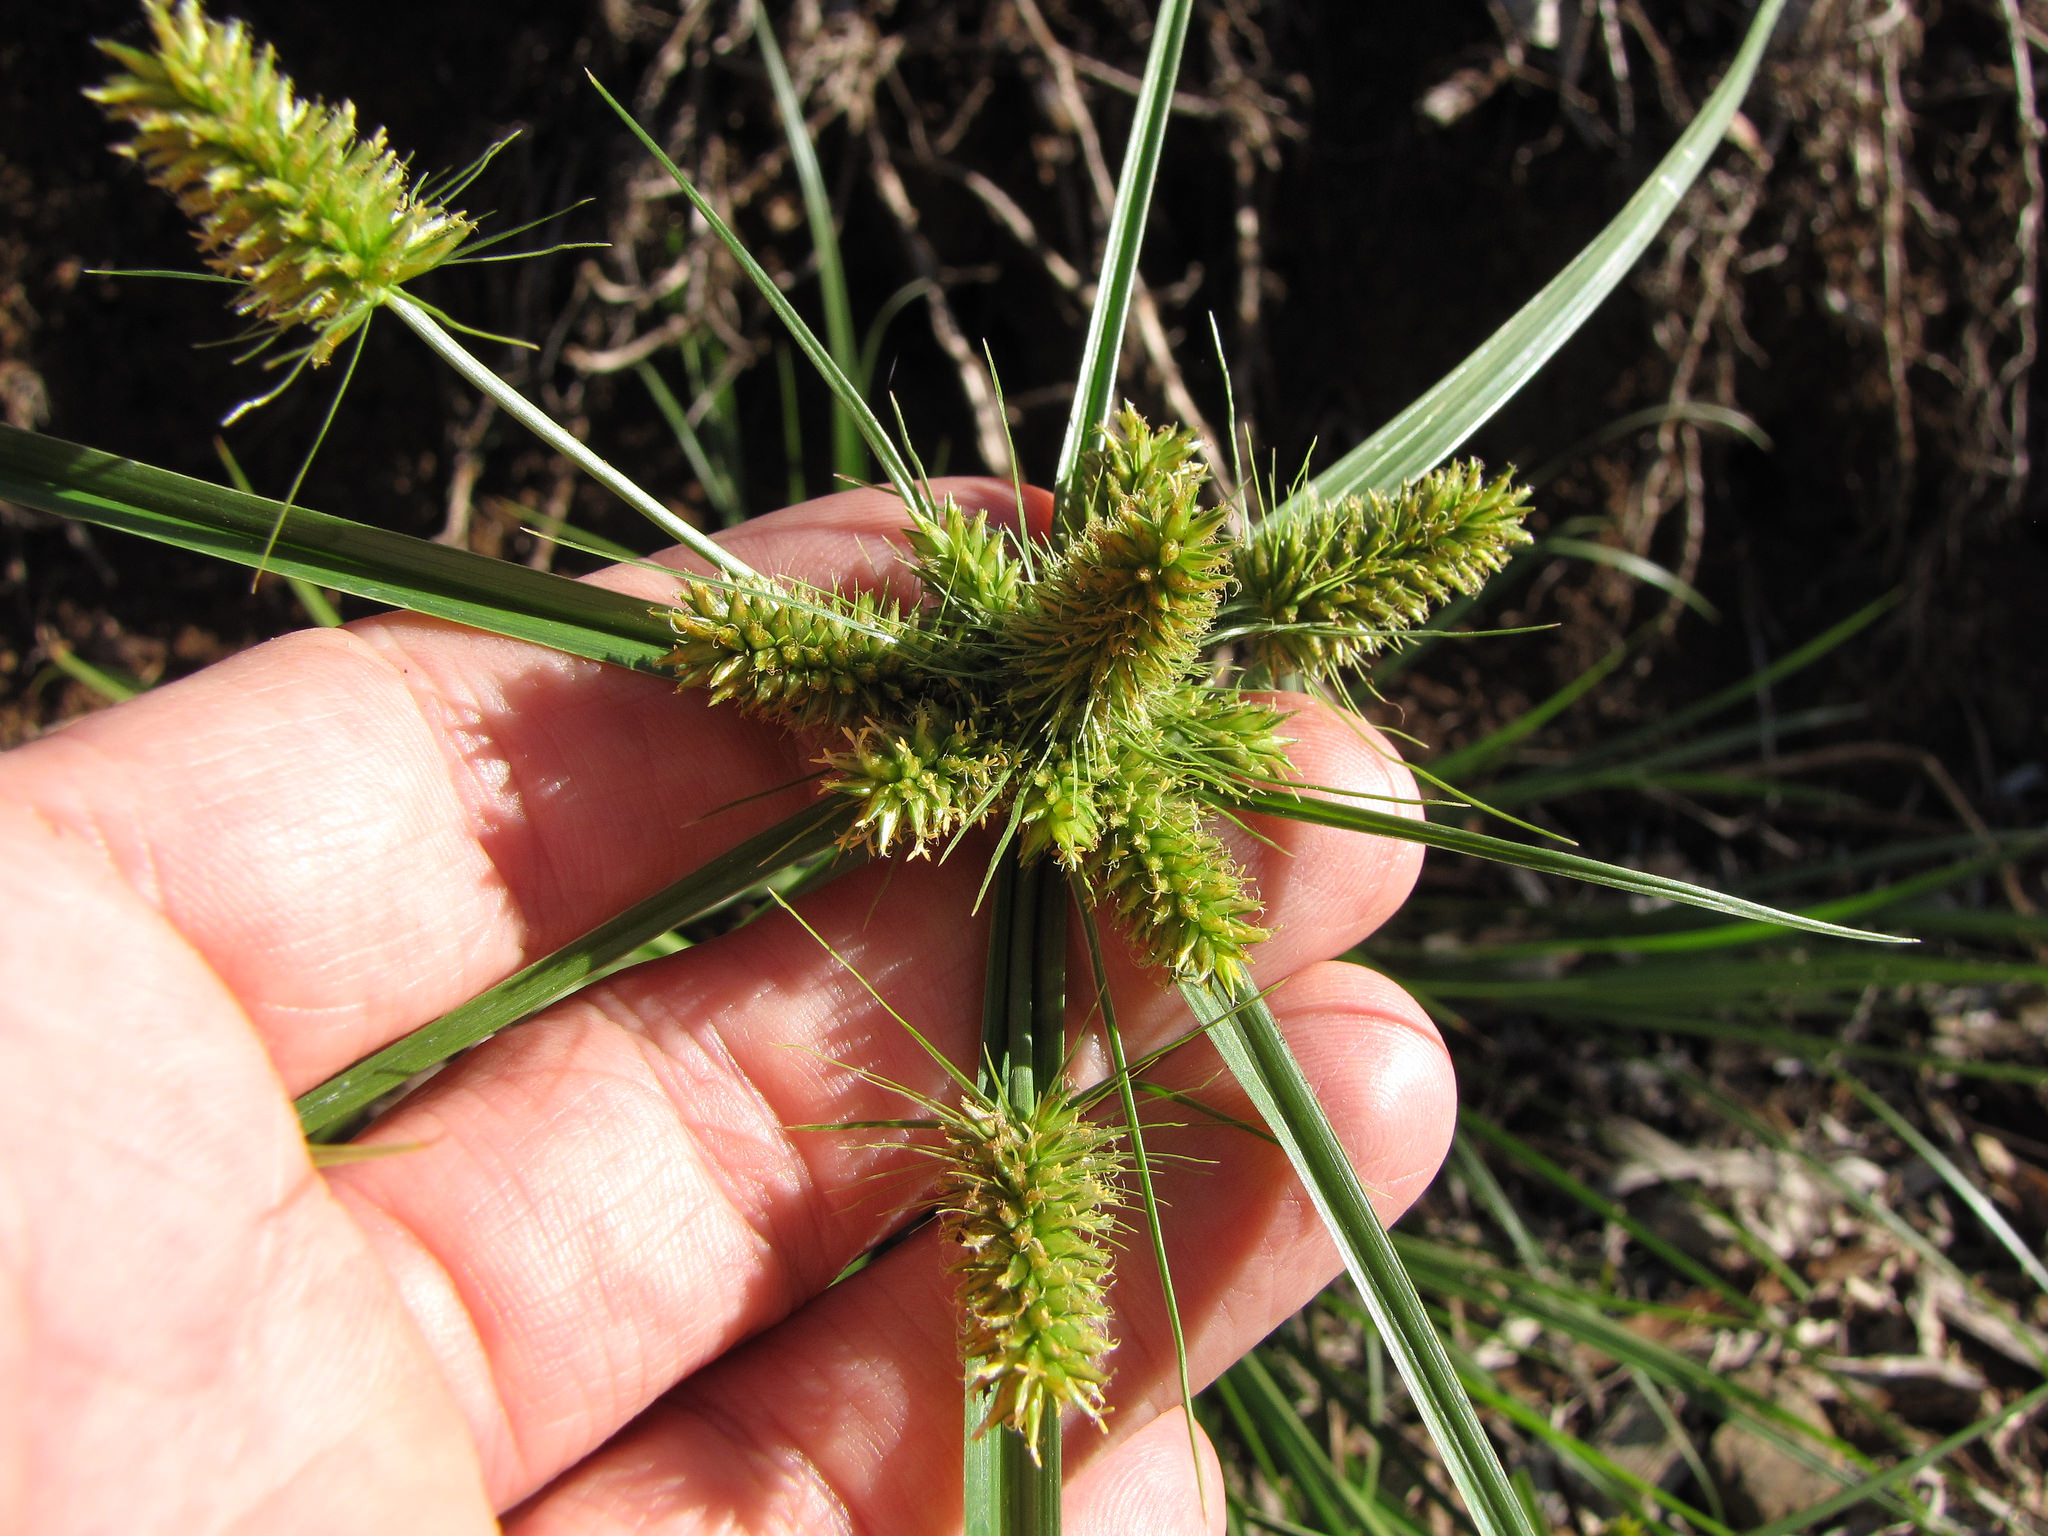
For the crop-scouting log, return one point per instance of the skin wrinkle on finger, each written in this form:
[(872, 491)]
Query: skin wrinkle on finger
[(1147, 1484), (746, 1476), (684, 1120), (200, 811), (183, 1267)]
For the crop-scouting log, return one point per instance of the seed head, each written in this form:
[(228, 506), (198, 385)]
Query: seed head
[(920, 783), (1172, 883), (1025, 1201), (316, 223), (804, 658), (1337, 583), (1066, 701), (1122, 615), (964, 564)]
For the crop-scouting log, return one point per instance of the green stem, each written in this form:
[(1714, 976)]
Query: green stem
[(549, 431)]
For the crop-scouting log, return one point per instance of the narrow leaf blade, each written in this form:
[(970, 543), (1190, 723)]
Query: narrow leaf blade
[(386, 567), (337, 1101), (1096, 393), (1451, 410), (1249, 1039), (1547, 861)]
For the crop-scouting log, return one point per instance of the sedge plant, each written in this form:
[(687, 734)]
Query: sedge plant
[(1077, 690)]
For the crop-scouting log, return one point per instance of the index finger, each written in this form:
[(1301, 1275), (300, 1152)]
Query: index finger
[(359, 829)]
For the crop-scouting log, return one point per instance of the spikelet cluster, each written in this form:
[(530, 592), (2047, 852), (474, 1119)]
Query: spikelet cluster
[(804, 658), (1063, 694), (1181, 898), (1026, 1202), (966, 566), (1336, 583), (317, 223), (918, 783), (1125, 608)]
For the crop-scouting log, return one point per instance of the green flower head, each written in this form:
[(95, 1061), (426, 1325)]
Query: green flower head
[(316, 223), (1071, 697)]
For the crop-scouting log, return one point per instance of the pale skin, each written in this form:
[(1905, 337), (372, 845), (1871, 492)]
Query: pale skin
[(593, 1299)]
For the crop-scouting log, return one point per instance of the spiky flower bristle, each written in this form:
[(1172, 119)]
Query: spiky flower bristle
[(1124, 610), (316, 223), (1026, 1204)]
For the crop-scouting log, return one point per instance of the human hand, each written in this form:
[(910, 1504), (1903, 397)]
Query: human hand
[(595, 1294)]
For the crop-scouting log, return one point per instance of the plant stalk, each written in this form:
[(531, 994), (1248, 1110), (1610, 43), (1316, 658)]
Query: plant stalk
[(538, 422)]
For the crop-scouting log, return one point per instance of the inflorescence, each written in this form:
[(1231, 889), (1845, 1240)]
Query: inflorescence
[(1068, 696), (317, 224)]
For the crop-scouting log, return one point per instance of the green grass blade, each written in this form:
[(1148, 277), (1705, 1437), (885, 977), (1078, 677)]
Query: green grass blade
[(1649, 572), (1549, 861), (1464, 1276), (1892, 1476), (1452, 409), (844, 390), (1688, 941), (1965, 1191), (114, 689), (849, 453), (1620, 1484), (1592, 771), (1865, 1204), (1625, 747), (1550, 1172), (1141, 1164), (718, 486), (318, 607), (1710, 984), (335, 1103), (1338, 1505), (1483, 753), (1095, 395), (1791, 1042), (1698, 413), (386, 567), (1249, 1039)]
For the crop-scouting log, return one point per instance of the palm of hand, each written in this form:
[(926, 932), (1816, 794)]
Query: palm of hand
[(224, 892)]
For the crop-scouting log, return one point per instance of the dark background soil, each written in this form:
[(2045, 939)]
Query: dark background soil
[(1391, 245)]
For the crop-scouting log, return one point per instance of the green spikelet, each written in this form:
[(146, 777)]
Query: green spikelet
[(318, 224), (919, 783), (803, 659), (1342, 579), (1057, 810), (963, 564), (1131, 460), (1170, 880), (1025, 1201), (1123, 613), (1221, 738)]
